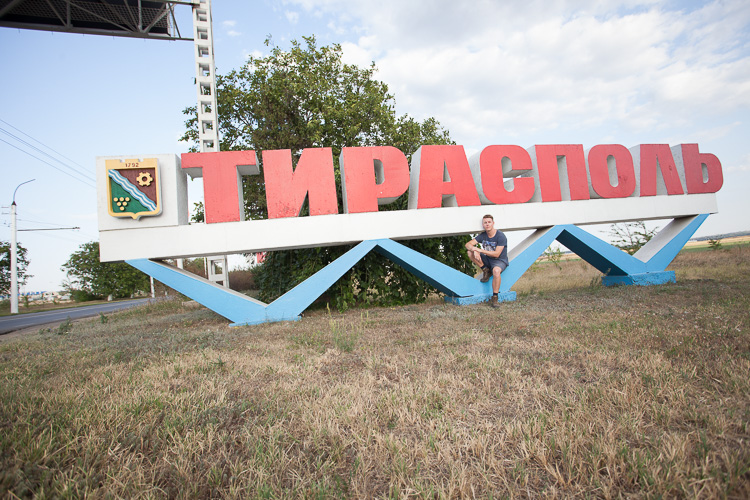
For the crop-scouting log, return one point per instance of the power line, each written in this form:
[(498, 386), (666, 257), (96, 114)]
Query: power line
[(83, 171), (38, 222), (85, 181), (40, 142), (75, 237), (83, 174)]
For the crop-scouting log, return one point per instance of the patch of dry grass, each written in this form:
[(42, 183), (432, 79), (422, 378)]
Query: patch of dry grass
[(572, 390)]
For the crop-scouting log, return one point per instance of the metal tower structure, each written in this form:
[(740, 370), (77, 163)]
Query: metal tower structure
[(205, 78), (129, 18), (208, 109), (151, 19)]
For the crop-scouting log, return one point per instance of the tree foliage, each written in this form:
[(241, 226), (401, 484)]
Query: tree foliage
[(307, 97), (22, 263), (100, 279), (631, 236)]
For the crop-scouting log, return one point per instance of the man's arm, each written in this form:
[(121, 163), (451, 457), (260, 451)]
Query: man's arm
[(502, 242), (498, 238), (472, 245), (494, 253)]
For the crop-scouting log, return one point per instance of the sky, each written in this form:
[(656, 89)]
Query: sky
[(498, 72)]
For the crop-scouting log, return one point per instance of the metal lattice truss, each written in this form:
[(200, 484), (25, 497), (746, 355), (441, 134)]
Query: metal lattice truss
[(129, 18)]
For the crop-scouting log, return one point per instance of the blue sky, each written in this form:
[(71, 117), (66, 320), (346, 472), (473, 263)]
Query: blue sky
[(532, 72)]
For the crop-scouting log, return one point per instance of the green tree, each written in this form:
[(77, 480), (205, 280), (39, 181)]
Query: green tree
[(307, 97), (22, 264), (100, 279)]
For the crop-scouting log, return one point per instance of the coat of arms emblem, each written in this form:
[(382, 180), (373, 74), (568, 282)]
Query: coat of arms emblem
[(133, 188)]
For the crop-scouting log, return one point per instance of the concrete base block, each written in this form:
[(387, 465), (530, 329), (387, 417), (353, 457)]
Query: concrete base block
[(266, 319), (477, 299), (643, 279)]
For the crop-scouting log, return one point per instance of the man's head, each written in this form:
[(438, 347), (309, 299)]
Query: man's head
[(488, 222)]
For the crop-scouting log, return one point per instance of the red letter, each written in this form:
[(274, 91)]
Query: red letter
[(550, 160), (650, 156), (599, 170), (697, 178), (441, 174), (222, 184), (286, 189), (372, 176), (493, 169)]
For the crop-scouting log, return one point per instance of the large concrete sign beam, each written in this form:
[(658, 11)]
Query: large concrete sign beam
[(324, 230)]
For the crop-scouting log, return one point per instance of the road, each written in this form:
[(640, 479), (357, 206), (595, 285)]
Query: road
[(20, 321)]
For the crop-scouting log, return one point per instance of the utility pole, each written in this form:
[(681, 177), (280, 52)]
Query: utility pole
[(14, 254)]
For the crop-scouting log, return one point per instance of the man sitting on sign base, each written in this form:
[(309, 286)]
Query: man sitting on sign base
[(489, 250)]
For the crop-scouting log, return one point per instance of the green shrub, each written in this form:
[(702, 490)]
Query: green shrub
[(83, 296)]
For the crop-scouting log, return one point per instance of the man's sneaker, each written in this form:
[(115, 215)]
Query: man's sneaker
[(494, 302), (486, 274)]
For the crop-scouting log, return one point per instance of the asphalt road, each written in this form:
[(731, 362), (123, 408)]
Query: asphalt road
[(20, 321)]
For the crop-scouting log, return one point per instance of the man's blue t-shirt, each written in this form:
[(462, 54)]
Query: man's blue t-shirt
[(492, 243)]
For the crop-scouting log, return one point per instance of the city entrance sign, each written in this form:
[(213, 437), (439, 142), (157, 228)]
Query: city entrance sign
[(551, 189), (524, 189)]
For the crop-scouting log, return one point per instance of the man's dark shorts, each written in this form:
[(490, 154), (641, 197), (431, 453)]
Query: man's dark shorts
[(491, 263)]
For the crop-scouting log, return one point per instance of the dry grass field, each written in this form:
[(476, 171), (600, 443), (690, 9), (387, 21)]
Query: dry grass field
[(574, 390)]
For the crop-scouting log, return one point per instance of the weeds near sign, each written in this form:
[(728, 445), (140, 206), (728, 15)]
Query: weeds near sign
[(65, 327), (715, 244), (553, 255), (345, 339), (631, 236)]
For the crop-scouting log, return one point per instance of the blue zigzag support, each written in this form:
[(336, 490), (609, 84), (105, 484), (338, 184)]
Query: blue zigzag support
[(523, 256), (644, 268), (458, 287), (291, 304), (244, 310), (232, 305), (658, 253)]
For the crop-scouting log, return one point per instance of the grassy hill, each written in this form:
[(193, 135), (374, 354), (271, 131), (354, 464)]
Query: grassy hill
[(572, 390)]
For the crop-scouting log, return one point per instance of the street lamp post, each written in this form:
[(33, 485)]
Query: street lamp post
[(14, 255)]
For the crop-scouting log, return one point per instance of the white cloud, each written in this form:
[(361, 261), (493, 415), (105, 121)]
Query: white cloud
[(743, 166), (292, 17), (228, 28), (512, 69), (338, 29), (256, 54)]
